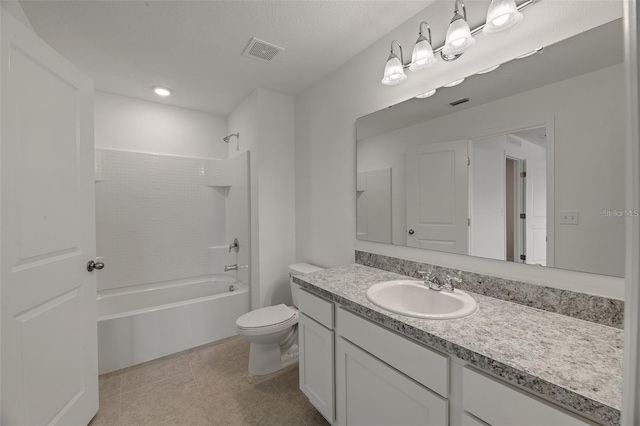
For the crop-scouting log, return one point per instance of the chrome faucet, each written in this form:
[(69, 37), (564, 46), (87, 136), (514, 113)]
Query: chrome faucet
[(434, 283), (228, 268), (448, 284), (430, 280)]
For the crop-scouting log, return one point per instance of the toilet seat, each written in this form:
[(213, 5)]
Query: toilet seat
[(271, 319)]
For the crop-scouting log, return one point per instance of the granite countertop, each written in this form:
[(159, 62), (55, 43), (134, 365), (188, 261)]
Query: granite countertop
[(575, 363)]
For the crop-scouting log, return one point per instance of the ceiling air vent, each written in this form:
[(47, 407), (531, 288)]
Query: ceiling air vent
[(459, 101), (261, 50)]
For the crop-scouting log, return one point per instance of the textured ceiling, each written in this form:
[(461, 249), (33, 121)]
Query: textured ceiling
[(195, 47)]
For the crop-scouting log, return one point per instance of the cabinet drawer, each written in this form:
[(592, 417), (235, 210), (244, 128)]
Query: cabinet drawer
[(423, 365), (317, 308), (503, 405)]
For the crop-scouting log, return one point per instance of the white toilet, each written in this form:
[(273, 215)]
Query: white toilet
[(273, 330)]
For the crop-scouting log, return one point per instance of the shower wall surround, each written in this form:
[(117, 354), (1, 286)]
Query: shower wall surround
[(162, 218)]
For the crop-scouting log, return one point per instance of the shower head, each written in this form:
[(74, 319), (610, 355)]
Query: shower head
[(237, 135), (226, 138)]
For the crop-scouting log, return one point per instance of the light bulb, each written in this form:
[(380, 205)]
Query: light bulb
[(426, 94), (453, 83), (422, 56), (393, 71), (501, 16), (458, 37), (162, 91)]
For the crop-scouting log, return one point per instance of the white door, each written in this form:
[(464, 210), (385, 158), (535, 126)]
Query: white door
[(536, 212), (47, 222), (437, 197)]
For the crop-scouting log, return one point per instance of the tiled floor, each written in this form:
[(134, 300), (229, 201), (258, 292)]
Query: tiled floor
[(208, 385)]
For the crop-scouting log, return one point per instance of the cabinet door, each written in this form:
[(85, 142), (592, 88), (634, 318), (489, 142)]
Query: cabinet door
[(316, 365), (370, 392)]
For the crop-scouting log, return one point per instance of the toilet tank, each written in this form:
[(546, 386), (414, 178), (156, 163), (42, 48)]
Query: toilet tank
[(299, 269)]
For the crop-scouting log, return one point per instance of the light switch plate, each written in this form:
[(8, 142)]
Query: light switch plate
[(568, 217)]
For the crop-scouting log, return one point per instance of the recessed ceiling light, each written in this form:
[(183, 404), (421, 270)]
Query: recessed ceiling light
[(426, 94), (453, 83), (533, 52), (162, 91), (488, 69)]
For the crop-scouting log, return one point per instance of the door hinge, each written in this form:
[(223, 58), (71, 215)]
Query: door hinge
[(523, 215), (469, 222), (523, 174), (523, 257), (468, 161)]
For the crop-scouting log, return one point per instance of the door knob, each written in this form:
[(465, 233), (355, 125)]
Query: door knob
[(91, 265), (411, 231)]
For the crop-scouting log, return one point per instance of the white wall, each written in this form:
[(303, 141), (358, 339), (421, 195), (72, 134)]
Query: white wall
[(158, 219), (265, 123), (238, 213), (140, 193), (14, 8), (325, 140), (487, 184), (130, 124)]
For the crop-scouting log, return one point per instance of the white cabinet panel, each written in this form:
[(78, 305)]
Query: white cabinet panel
[(316, 307), (316, 365), (370, 392), (503, 405), (469, 420), (421, 364)]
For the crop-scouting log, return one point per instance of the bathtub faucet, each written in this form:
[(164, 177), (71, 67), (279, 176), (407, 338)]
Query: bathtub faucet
[(231, 267)]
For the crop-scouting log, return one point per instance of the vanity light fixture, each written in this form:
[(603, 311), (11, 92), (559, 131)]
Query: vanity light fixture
[(453, 83), (501, 16), (422, 56), (162, 91), (394, 69), (488, 69), (426, 94), (459, 37)]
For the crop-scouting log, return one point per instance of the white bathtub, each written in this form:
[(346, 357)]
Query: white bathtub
[(151, 321)]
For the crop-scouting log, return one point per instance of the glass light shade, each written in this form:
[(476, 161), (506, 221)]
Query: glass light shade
[(422, 56), (453, 83), (426, 94), (393, 71), (458, 37), (484, 71), (533, 52), (501, 16)]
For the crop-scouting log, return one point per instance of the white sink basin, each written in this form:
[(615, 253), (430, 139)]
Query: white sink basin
[(414, 299)]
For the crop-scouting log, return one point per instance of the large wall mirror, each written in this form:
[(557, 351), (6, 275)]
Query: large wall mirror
[(525, 163)]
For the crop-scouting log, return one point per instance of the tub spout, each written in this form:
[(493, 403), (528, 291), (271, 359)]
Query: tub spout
[(231, 267)]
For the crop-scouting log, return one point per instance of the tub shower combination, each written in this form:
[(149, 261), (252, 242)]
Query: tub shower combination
[(148, 322), (163, 224)]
